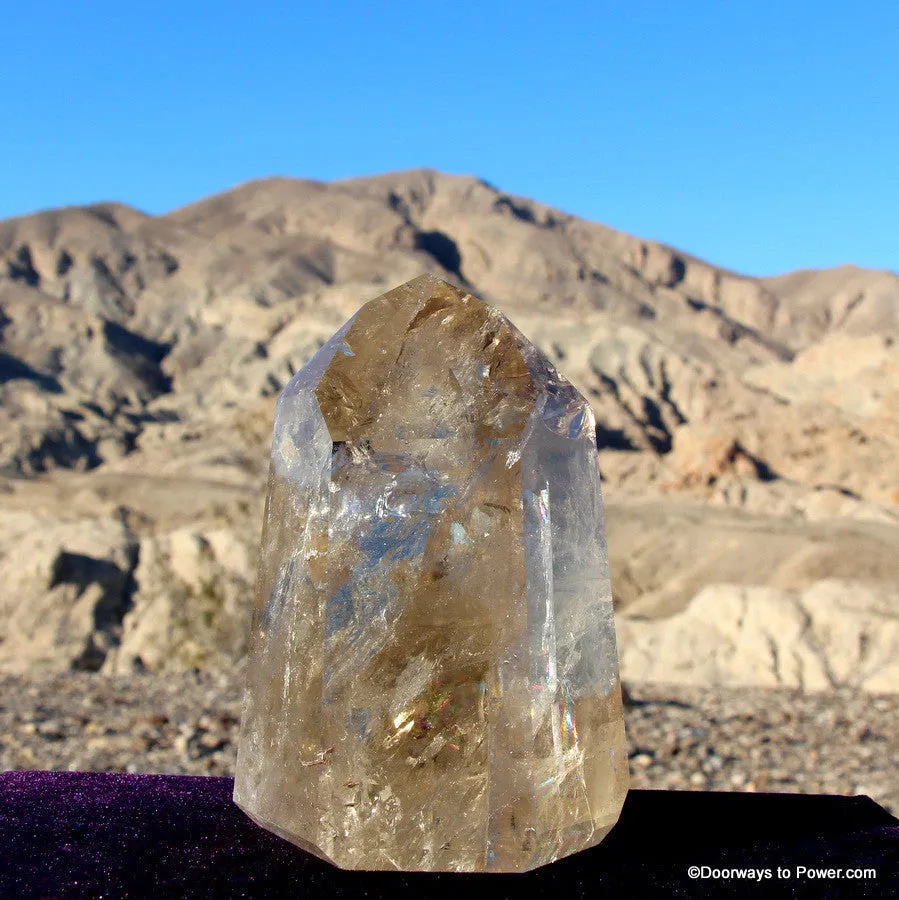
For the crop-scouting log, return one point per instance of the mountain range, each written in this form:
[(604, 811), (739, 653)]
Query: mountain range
[(748, 427)]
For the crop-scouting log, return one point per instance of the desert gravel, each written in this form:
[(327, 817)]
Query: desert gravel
[(678, 738)]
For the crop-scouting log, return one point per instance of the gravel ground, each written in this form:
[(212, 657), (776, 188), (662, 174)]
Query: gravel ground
[(678, 738)]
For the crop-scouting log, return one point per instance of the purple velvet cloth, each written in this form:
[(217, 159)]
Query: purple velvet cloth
[(75, 834)]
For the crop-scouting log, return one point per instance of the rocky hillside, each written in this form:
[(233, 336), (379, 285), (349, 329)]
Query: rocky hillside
[(748, 427)]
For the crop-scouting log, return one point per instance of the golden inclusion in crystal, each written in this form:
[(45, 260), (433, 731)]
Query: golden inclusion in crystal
[(432, 681)]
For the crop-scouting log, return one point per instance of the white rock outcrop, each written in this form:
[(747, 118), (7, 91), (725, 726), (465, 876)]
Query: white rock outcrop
[(832, 634)]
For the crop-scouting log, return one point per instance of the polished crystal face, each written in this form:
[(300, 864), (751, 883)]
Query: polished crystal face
[(433, 676)]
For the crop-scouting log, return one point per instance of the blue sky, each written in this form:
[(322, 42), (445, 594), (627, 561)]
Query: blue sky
[(762, 136)]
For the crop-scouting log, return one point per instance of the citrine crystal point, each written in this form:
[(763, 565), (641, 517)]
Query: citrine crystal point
[(432, 681)]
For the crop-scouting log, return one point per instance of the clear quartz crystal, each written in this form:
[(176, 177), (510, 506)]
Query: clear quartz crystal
[(433, 674)]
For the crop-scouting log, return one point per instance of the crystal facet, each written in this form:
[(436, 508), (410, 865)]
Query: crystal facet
[(433, 675)]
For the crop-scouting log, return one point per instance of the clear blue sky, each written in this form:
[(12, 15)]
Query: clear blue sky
[(760, 135)]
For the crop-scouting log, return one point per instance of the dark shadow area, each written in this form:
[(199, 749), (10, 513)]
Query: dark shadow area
[(612, 438), (21, 267), (118, 587), (154, 417), (102, 214), (59, 447), (442, 249), (64, 263), (843, 491), (399, 205), (517, 210), (80, 571), (141, 355), (677, 271), (129, 343), (658, 433), (12, 369), (763, 471)]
